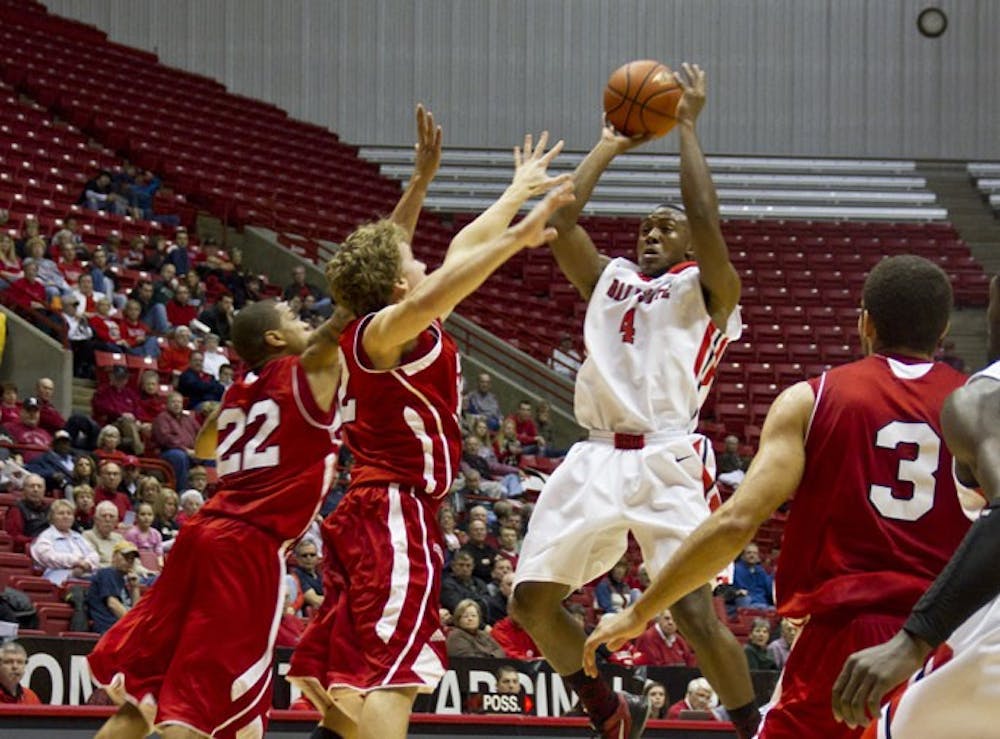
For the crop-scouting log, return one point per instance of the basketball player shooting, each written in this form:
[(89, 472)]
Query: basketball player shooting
[(655, 331), (876, 510), (961, 610)]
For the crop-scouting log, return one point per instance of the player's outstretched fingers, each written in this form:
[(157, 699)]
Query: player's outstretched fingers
[(590, 656)]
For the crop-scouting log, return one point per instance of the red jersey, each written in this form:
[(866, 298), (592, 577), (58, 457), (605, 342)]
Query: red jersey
[(276, 454), (402, 424), (877, 514), (134, 333)]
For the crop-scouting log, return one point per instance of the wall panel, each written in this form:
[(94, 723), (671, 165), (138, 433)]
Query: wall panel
[(803, 77)]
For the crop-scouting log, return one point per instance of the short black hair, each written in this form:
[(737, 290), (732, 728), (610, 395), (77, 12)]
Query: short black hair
[(249, 327), (909, 300), (670, 206)]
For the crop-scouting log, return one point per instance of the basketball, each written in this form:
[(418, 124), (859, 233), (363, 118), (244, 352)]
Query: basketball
[(641, 97)]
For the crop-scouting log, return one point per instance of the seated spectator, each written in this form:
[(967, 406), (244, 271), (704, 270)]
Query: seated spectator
[(546, 429), (660, 644), (756, 647), (507, 545), (483, 555), (307, 573), (108, 441), (214, 358), (197, 289), (84, 472), (508, 680), (98, 194), (28, 432), (483, 403), (87, 296), (104, 535), (30, 229), (148, 491), (101, 262), (467, 639), (29, 517), (68, 262), (612, 593), (131, 475), (191, 502), (166, 509), (109, 478), (13, 659), (178, 252), (151, 312), (730, 465), (28, 293), (700, 697), (136, 335), (117, 399), (656, 694), (460, 584), (219, 318), (56, 465), (527, 433), (197, 385), (949, 356), (107, 329), (83, 498), (780, 647), (80, 334), (114, 590), (176, 355), (515, 641), (62, 551), (10, 406), (226, 375), (506, 446), (152, 402), (10, 263), (301, 289), (496, 604), (198, 480), (180, 310), (449, 532), (147, 539), (754, 587), (565, 359), (504, 483), (48, 271), (165, 284), (174, 432)]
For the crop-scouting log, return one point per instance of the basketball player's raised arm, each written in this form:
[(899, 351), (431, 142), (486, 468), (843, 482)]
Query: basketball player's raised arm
[(970, 421), (575, 253), (321, 359), (425, 165), (701, 204), (397, 324), (772, 479), (530, 179), (208, 435)]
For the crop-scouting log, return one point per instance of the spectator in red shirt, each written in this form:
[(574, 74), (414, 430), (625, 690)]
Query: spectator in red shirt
[(110, 477), (10, 408), (107, 446), (180, 312), (26, 431), (28, 292), (107, 330), (700, 697), (152, 402), (660, 644), (176, 356), (13, 659), (68, 262), (116, 399), (29, 517), (527, 433), (174, 431), (135, 334), (10, 264)]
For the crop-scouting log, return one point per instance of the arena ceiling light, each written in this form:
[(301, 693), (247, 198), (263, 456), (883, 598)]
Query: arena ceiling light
[(932, 22)]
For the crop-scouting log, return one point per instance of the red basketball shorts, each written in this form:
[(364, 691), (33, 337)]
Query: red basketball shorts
[(200, 642), (379, 625), (805, 708)]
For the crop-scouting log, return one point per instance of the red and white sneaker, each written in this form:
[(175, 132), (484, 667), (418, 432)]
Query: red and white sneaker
[(628, 721)]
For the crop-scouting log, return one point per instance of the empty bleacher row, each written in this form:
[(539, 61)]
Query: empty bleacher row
[(986, 175), (748, 187)]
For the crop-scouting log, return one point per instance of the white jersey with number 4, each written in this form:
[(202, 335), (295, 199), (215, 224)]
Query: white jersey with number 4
[(652, 351)]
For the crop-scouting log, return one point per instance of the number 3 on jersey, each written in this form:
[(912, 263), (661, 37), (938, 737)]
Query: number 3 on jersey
[(236, 452), (627, 327), (919, 472)]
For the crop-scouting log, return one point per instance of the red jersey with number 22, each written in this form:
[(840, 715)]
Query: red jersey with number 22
[(877, 514), (402, 424), (276, 452)]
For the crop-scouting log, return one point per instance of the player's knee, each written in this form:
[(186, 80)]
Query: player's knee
[(698, 625), (532, 602)]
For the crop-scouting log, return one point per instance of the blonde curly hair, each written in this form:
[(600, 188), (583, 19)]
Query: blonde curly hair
[(364, 271)]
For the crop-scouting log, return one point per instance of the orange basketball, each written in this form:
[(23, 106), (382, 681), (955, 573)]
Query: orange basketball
[(641, 97)]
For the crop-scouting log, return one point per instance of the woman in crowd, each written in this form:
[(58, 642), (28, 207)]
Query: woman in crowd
[(10, 265), (449, 532), (756, 647), (656, 694), (83, 498), (191, 502), (612, 593), (84, 472), (166, 515), (108, 441), (63, 552), (466, 638)]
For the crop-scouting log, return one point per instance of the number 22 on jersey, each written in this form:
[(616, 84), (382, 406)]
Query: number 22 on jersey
[(238, 451)]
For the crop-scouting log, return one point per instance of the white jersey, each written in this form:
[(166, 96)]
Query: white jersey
[(652, 351), (991, 372)]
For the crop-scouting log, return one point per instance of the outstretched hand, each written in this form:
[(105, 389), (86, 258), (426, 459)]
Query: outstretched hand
[(533, 230), (428, 146), (692, 82), (530, 165), (871, 673), (614, 631), (621, 142)]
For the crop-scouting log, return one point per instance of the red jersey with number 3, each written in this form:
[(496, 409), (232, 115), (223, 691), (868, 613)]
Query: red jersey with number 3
[(402, 424), (276, 452), (877, 514)]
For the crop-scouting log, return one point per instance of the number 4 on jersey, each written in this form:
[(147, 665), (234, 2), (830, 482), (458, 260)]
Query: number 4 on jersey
[(627, 327)]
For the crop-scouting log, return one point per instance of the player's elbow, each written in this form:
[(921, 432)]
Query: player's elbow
[(738, 523)]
